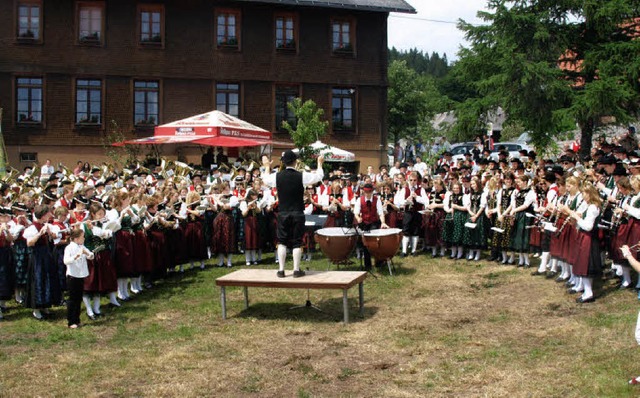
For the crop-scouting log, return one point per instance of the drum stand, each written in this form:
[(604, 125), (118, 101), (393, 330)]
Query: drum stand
[(369, 271), (308, 303)]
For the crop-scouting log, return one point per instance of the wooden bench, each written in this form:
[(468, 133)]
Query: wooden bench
[(312, 280)]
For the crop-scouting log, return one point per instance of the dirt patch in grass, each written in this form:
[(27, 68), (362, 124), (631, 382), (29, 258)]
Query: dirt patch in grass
[(439, 328)]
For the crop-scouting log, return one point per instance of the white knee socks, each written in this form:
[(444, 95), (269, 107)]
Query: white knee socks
[(405, 244), (297, 255), (282, 256), (96, 304), (87, 303), (626, 276), (414, 244), (588, 290), (113, 299)]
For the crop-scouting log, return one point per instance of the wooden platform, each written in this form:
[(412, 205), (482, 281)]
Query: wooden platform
[(312, 280)]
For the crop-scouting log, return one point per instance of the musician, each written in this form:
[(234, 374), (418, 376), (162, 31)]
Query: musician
[(587, 262), (390, 209), (551, 190), (335, 204), (492, 189), (103, 278), (75, 258), (249, 209), (194, 230), (620, 230), (290, 184), (224, 236), (412, 198), (43, 287), (122, 214), (456, 205), (434, 219), (60, 230), (568, 235), (476, 238), (555, 245), (7, 269), (369, 214), (17, 226), (522, 203)]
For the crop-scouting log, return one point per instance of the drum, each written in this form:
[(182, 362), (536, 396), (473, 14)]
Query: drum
[(336, 243), (383, 244)]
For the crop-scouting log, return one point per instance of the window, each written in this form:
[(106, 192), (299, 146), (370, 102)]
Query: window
[(151, 25), (28, 157), (146, 96), (342, 108), (228, 98), (29, 100), (228, 29), (342, 39), (285, 32), (29, 20), (90, 22), (88, 101), (285, 96)]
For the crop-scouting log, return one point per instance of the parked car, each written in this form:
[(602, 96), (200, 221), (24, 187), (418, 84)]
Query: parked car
[(513, 148), (458, 150)]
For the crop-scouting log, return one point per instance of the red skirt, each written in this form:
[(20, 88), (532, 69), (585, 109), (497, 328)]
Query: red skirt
[(251, 238), (102, 274), (392, 219), (141, 253), (535, 237), (587, 260), (158, 251), (124, 257), (432, 224), (224, 235), (194, 237)]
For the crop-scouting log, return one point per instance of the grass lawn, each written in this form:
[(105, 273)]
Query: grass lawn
[(437, 328)]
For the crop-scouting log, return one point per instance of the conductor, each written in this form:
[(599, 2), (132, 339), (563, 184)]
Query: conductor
[(290, 185)]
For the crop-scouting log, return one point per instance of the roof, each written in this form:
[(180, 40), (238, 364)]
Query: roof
[(364, 5)]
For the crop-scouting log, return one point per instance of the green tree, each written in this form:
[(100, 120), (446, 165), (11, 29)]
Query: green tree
[(121, 155), (412, 98), (309, 127), (552, 64)]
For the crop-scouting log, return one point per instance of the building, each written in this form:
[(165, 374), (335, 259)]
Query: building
[(72, 72)]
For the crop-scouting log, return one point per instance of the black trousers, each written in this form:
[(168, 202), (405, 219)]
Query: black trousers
[(365, 251), (74, 288)]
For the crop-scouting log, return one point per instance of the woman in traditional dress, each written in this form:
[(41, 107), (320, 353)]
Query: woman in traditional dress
[(476, 238), (504, 219), (492, 189), (194, 230), (622, 229), (632, 209), (390, 209), (334, 204), (434, 219), (587, 263), (224, 235), (121, 213), (457, 208), (43, 288), (61, 228), (103, 278), (523, 202), (17, 226), (252, 241), (568, 234), (6, 260)]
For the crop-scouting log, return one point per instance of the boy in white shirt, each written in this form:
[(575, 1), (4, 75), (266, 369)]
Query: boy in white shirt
[(75, 258)]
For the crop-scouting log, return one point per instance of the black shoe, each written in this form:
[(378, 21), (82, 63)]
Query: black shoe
[(623, 287), (298, 273), (580, 300), (98, 314), (573, 291), (568, 284), (280, 274), (551, 274), (404, 255), (92, 317), (538, 273), (414, 254)]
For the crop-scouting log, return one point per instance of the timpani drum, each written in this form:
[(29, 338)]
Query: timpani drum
[(336, 243), (383, 244)]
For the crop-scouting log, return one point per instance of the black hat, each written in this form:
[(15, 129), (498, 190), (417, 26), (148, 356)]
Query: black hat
[(94, 169), (288, 157), (5, 210), (368, 187), (53, 177), (619, 170), (81, 199), (565, 158), (557, 170), (334, 177), (19, 207), (110, 179), (447, 153), (66, 182), (440, 170), (404, 164), (523, 152), (99, 184), (550, 177), (607, 160), (353, 178), (49, 196)]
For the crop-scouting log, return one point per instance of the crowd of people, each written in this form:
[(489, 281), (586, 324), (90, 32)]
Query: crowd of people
[(118, 233)]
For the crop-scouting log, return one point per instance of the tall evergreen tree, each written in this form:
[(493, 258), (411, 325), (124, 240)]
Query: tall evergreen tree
[(554, 63)]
